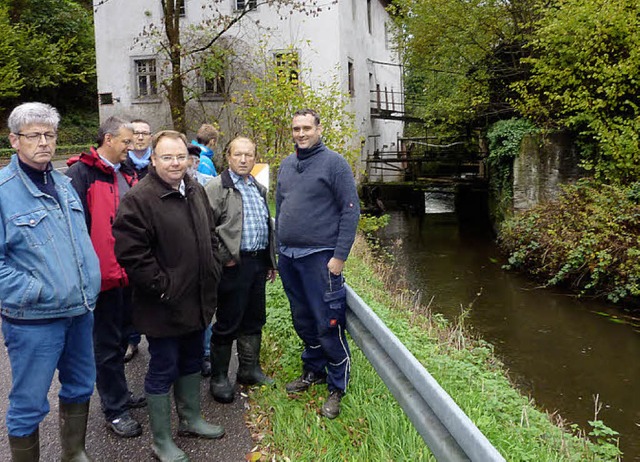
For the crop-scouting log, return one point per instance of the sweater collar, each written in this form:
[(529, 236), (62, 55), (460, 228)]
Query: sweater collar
[(308, 152)]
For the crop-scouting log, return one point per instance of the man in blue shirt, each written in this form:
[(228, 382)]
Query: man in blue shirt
[(317, 212), (49, 283)]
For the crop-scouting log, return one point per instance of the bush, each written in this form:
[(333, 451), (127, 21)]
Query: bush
[(588, 240)]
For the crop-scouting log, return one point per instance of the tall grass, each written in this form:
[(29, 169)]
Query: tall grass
[(372, 426)]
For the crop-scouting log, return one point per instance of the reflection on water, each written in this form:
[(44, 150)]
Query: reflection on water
[(557, 348)]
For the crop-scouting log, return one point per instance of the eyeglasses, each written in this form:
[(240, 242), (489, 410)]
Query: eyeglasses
[(141, 133), (32, 137), (166, 158)]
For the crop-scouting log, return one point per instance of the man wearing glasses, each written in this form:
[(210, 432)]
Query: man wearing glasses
[(49, 283), (137, 164), (101, 184), (165, 239), (139, 158)]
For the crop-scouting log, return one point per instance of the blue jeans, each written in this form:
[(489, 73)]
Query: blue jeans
[(35, 352), (318, 308), (207, 339), (172, 358)]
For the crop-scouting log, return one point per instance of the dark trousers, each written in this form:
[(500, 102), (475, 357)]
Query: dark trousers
[(318, 306), (109, 342), (241, 300), (171, 358)]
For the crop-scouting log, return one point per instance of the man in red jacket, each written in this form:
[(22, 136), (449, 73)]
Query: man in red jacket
[(101, 183)]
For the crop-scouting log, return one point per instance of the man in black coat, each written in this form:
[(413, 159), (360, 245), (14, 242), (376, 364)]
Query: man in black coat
[(165, 240)]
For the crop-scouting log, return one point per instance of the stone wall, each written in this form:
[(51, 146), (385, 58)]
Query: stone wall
[(543, 164)]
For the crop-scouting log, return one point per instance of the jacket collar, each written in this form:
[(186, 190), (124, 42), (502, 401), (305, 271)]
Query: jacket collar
[(167, 190)]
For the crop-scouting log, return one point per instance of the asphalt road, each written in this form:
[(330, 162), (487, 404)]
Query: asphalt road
[(104, 446)]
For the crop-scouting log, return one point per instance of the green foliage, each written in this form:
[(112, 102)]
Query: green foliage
[(47, 48), (584, 72), (460, 57), (578, 242), (272, 95), (369, 224), (607, 440), (505, 138)]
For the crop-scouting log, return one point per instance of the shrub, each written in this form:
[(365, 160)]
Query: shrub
[(587, 240)]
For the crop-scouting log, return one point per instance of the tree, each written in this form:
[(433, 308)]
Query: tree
[(11, 82), (52, 43), (185, 57), (461, 56), (584, 77)]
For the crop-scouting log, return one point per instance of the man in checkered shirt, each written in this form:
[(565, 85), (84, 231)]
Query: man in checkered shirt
[(247, 249)]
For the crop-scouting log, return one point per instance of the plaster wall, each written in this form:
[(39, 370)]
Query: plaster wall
[(326, 44)]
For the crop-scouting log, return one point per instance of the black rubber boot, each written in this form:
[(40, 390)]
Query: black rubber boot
[(25, 448), (249, 370), (186, 392), (219, 385), (164, 448), (73, 429)]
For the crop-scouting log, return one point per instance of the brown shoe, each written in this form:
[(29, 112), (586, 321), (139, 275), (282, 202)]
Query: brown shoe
[(331, 407)]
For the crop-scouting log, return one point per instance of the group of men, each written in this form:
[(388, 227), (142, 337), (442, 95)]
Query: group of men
[(130, 242)]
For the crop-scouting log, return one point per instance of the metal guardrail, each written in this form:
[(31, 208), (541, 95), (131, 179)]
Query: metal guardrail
[(447, 431)]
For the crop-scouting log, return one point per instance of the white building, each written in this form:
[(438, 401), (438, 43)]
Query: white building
[(347, 40)]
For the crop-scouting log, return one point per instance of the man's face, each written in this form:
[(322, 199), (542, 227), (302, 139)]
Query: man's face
[(242, 157), (141, 136), (117, 146), (306, 133), (171, 159), (35, 151)]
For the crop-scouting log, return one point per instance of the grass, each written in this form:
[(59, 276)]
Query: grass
[(372, 426)]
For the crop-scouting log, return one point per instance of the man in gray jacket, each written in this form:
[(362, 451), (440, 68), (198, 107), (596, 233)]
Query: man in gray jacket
[(243, 226)]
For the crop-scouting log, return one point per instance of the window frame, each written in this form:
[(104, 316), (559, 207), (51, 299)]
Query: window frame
[(152, 80)]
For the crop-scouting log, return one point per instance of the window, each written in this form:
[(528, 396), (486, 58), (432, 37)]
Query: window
[(353, 9), (146, 78), (246, 4), (287, 65), (350, 79), (105, 98), (214, 86), (369, 15), (181, 9)]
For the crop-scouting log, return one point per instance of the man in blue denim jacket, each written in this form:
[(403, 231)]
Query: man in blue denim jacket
[(49, 282)]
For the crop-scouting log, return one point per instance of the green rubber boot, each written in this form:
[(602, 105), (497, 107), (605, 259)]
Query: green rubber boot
[(187, 395), (73, 430), (25, 448), (164, 448), (219, 385), (249, 370)]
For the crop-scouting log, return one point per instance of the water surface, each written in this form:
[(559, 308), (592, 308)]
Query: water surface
[(559, 349)]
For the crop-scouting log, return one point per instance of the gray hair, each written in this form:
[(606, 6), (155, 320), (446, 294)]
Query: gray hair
[(112, 127), (33, 113)]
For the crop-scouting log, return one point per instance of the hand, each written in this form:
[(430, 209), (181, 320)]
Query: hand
[(231, 262), (272, 274), (335, 265)]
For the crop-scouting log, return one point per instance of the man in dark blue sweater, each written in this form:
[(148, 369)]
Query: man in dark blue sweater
[(317, 212)]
